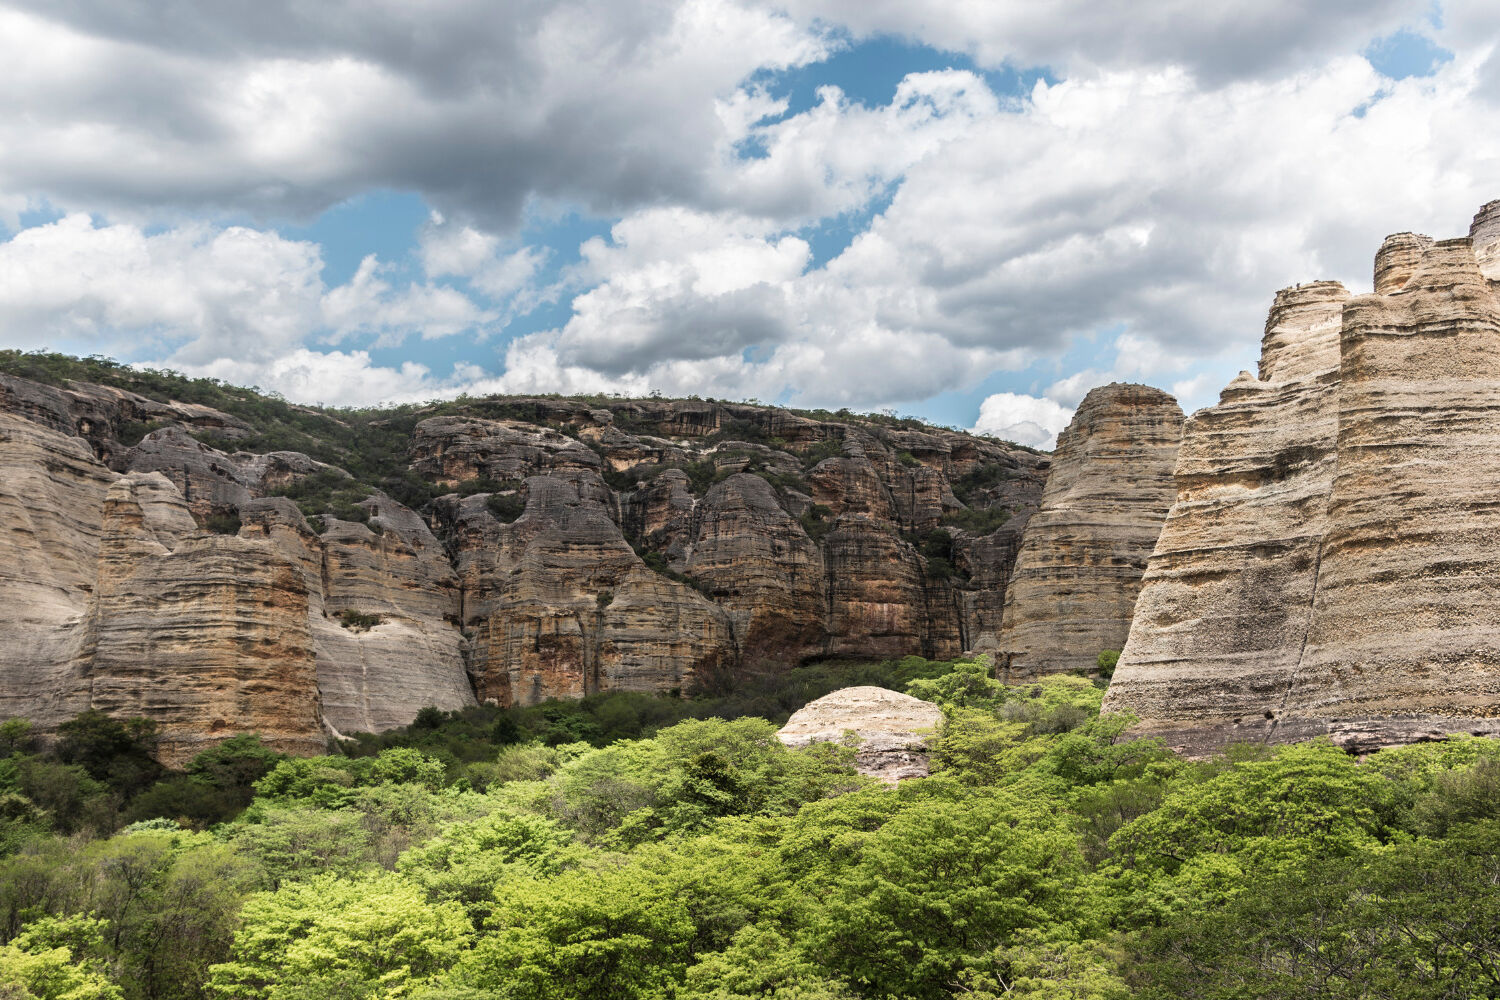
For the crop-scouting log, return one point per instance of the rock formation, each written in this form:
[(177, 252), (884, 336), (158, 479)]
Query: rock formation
[(1075, 581), (654, 545), (205, 634), (1328, 566), (890, 729)]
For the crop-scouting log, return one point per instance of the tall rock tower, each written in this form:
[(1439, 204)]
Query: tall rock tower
[(1080, 565), (1332, 563)]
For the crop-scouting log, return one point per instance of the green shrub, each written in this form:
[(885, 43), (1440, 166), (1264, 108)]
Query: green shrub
[(817, 521), (223, 523), (978, 521), (506, 507), (357, 621)]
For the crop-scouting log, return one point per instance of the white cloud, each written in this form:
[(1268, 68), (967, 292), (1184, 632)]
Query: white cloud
[(369, 304), (1195, 158), (197, 294), (286, 107), (203, 290), (1027, 420), (1223, 40), (333, 378), (1137, 202)]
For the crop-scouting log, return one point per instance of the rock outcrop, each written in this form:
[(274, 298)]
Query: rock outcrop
[(889, 729), (205, 634), (51, 497), (1328, 566), (585, 546), (1075, 582)]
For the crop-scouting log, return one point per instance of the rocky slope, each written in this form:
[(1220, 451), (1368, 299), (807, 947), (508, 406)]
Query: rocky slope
[(1073, 589), (1329, 564), (181, 560)]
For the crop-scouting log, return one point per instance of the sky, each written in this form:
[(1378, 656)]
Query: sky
[(971, 211)]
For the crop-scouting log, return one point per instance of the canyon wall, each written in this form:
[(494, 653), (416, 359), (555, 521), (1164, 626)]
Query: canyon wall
[(164, 562), (1329, 565), (1074, 586)]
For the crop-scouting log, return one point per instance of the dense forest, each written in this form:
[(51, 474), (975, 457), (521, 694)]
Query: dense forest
[(626, 847)]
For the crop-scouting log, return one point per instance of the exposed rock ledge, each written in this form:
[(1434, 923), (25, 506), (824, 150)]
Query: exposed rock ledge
[(892, 729)]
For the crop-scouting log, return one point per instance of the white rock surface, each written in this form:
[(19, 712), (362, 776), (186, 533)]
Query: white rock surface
[(892, 729)]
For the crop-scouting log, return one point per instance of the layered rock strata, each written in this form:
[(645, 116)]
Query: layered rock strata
[(207, 635), (1074, 586), (1328, 565), (647, 545), (890, 730)]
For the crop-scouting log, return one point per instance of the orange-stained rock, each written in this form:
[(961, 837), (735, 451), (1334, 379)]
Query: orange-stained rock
[(205, 634), (561, 606), (756, 561), (664, 544)]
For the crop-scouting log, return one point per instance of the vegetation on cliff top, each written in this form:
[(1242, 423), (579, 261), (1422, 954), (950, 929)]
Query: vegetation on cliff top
[(368, 447), (1049, 856)]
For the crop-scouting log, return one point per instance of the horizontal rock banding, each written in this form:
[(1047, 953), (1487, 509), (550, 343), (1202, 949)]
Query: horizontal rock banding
[(645, 545), (1075, 582), (1329, 566)]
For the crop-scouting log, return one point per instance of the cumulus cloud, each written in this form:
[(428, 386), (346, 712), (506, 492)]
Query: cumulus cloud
[(1139, 202), (333, 378), (288, 107), (1188, 160), (1224, 40), (195, 295), (1027, 420)]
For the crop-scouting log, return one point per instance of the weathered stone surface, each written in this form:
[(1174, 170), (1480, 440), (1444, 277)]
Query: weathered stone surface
[(891, 729), (206, 634), (101, 414), (1326, 568), (51, 496), (1404, 637), (1075, 581), (453, 449), (756, 561), (561, 606), (876, 591), (356, 625), (1397, 258), (1484, 233), (1224, 607), (209, 480), (378, 677)]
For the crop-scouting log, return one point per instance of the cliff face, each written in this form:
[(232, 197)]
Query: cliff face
[(175, 561), (1327, 566), (1075, 582)]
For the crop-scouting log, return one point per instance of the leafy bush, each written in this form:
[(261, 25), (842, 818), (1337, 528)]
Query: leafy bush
[(978, 521), (817, 521), (506, 507), (223, 524), (357, 621)]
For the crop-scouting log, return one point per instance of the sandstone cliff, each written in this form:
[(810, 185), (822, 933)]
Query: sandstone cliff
[(179, 561), (1327, 567), (1074, 586)]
